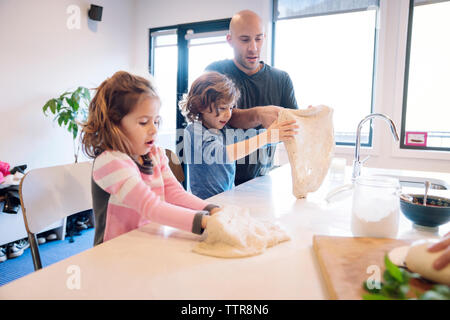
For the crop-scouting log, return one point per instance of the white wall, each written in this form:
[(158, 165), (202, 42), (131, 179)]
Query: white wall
[(40, 58)]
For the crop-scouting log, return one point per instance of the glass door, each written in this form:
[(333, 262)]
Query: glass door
[(205, 48), (178, 55)]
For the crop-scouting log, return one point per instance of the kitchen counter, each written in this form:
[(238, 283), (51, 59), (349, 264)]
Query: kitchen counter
[(156, 262)]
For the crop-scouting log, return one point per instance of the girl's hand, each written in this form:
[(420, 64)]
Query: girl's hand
[(282, 131), (215, 210), (204, 221)]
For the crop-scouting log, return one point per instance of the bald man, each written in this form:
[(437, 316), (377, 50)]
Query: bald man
[(264, 90)]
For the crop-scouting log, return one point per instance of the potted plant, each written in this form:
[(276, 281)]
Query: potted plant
[(70, 110)]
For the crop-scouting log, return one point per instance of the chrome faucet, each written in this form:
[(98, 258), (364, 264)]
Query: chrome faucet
[(357, 163)]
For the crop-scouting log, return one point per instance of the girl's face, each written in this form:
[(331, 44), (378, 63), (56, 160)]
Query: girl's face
[(141, 125), (213, 121)]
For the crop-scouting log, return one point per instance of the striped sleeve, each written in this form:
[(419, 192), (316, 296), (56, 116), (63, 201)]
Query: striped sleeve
[(117, 174), (174, 192)]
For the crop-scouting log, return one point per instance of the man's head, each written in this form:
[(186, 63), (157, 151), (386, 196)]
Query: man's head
[(246, 37)]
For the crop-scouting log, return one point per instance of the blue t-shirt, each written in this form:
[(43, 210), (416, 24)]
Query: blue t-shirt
[(268, 86), (209, 170)]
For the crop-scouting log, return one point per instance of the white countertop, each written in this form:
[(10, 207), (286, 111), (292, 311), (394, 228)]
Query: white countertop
[(156, 262)]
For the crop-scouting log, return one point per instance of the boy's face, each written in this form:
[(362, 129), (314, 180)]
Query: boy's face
[(213, 121), (141, 125)]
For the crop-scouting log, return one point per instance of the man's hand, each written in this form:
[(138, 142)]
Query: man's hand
[(267, 115)]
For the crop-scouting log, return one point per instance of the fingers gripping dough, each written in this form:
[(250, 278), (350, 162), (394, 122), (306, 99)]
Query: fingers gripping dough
[(420, 260), (311, 152), (233, 233)]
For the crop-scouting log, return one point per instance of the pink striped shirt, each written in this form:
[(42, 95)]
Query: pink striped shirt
[(125, 197)]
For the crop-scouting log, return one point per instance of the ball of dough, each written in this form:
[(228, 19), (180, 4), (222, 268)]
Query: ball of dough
[(420, 260), (398, 255)]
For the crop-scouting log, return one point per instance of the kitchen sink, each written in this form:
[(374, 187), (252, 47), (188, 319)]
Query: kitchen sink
[(419, 182)]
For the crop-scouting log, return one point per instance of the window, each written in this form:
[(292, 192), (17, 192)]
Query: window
[(178, 55), (426, 100), (328, 49), (205, 48), (165, 55)]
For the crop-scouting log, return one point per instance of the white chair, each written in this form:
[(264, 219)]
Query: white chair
[(49, 195)]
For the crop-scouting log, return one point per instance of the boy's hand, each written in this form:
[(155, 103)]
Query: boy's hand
[(282, 131), (267, 115)]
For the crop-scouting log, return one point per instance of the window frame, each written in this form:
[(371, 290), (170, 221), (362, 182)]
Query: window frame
[(183, 66), (183, 53), (344, 145)]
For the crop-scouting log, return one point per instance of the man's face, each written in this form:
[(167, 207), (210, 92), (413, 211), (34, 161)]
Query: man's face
[(246, 38)]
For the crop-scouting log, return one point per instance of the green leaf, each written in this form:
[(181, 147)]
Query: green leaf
[(437, 292), (393, 270), (45, 107), (433, 295), (59, 104), (52, 104), (396, 286), (442, 289), (70, 107), (403, 291), (86, 94), (375, 297), (374, 290), (61, 97), (75, 130), (71, 103), (76, 96)]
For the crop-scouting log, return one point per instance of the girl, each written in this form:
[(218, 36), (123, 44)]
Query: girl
[(210, 145), (131, 180)]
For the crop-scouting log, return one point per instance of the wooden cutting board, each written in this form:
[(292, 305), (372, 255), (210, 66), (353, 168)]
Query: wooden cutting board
[(344, 262)]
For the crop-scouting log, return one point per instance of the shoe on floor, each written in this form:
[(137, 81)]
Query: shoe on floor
[(3, 256), (22, 244), (14, 251), (51, 236), (81, 225), (41, 240)]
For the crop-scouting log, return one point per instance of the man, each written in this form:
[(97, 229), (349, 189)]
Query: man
[(264, 90)]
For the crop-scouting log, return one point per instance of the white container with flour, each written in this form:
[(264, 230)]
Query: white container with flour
[(376, 207)]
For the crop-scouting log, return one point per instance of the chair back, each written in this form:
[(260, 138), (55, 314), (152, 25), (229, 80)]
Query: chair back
[(175, 165), (48, 195)]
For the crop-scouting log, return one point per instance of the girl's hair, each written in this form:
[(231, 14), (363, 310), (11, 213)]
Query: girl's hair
[(210, 88), (114, 99)]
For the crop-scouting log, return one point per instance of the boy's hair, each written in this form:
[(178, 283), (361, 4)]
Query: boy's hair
[(208, 89), (114, 99)]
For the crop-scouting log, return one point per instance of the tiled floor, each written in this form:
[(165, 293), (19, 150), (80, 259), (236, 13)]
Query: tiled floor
[(51, 252)]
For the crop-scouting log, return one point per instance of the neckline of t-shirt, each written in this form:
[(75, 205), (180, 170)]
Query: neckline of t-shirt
[(216, 131), (255, 75)]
